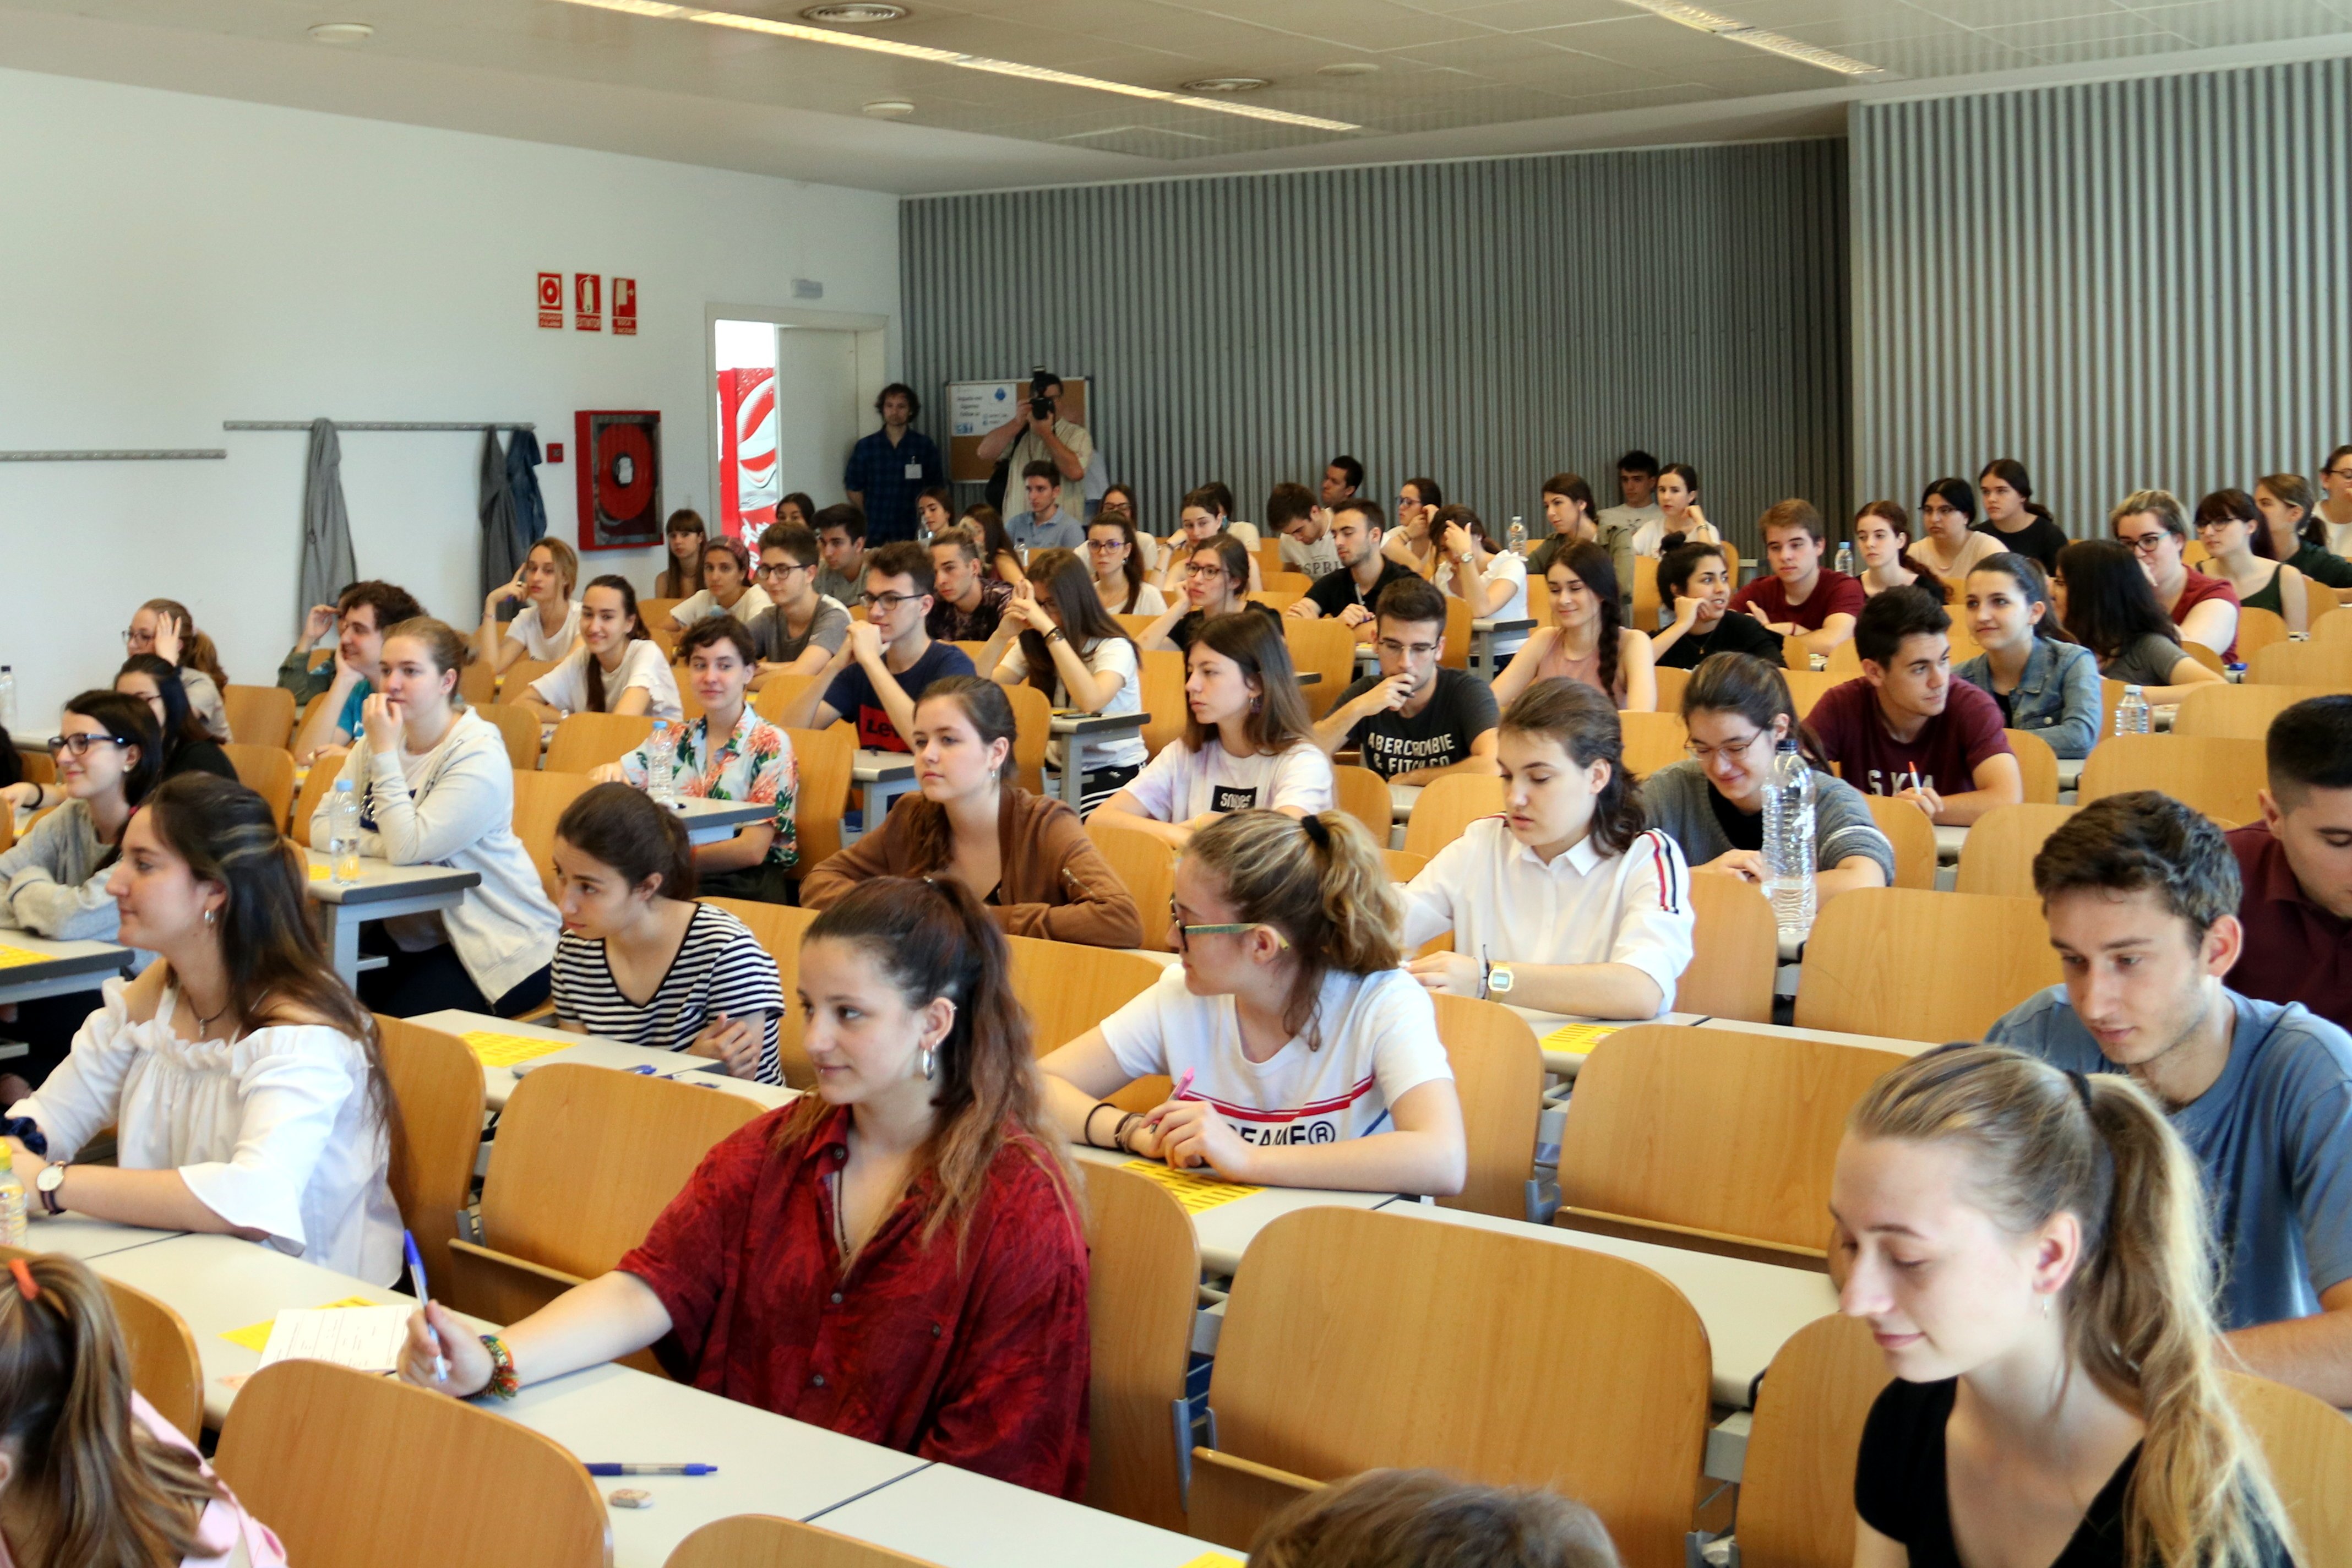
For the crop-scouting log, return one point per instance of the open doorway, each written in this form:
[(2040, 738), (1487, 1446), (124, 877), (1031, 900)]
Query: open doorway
[(793, 392)]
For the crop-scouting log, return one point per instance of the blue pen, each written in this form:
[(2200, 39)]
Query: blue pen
[(613, 1469), (416, 1272)]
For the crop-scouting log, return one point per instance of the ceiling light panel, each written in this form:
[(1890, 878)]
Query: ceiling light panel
[(1733, 30)]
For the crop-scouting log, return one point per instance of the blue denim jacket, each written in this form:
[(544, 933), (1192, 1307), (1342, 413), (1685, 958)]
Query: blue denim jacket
[(2057, 698)]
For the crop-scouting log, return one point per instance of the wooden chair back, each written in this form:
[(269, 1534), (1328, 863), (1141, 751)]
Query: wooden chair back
[(1033, 721), (1449, 805), (1068, 988), (1671, 679), (1796, 1493), (1796, 655), (519, 727), (652, 613), (2258, 629), (258, 715), (1499, 1076), (8, 830), (1997, 856), (2221, 778), (585, 741), (1940, 966), (2204, 655), (771, 700), (540, 800), (1364, 795), (336, 1460), (764, 1541), (322, 779), (2037, 764), (689, 706), (437, 1082), (1275, 599), (1282, 582), (1712, 1139), (1913, 837), (515, 684), (2308, 1444), (1735, 951), (1328, 648), (1267, 553), (267, 771), (1162, 680), (1455, 652), (1403, 865), (2237, 712), (2319, 662), (1807, 687), (478, 682), (38, 765), (1653, 740), (162, 1348), (1147, 866), (1134, 626), (974, 651), (1646, 601), (780, 928), (824, 758), (1324, 1293), (586, 1160), (1142, 1286)]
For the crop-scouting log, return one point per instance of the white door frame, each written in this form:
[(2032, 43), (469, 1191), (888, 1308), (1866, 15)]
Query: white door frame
[(872, 334)]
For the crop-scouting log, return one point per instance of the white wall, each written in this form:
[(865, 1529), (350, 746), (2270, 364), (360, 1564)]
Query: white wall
[(174, 261)]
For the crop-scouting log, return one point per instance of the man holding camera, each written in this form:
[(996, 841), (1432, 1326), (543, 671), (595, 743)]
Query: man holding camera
[(1037, 434)]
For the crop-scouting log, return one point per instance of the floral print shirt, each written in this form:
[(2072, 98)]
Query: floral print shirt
[(753, 764)]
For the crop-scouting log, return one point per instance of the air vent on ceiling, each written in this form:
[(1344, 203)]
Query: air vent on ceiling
[(342, 33), (855, 13), (1227, 84)]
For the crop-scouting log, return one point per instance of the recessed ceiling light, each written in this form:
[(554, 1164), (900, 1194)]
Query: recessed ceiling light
[(342, 33), (855, 13), (1227, 84), (662, 10), (1347, 68), (888, 108), (1739, 32)]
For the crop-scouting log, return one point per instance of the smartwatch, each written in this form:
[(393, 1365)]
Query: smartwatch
[(52, 1177)]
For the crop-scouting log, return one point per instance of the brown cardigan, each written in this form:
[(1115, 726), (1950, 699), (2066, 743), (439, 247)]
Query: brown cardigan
[(1053, 882)]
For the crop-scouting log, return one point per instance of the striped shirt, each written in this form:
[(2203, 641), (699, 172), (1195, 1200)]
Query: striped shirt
[(719, 967)]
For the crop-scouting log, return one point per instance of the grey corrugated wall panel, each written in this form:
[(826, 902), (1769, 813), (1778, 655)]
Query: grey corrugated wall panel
[(1487, 324), (2123, 284)]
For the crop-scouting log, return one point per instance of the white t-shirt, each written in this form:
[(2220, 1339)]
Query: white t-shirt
[(525, 630), (1376, 1040), (1180, 784), (1113, 657), (1650, 537), (1148, 600), (703, 606), (566, 686), (1508, 566)]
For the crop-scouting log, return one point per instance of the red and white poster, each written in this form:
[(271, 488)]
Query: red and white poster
[(551, 301), (588, 301), (750, 479), (625, 307)]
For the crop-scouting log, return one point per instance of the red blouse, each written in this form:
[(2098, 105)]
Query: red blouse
[(2195, 591), (980, 1361)]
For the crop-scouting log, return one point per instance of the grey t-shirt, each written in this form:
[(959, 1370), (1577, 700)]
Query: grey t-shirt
[(2149, 660), (1315, 559), (828, 628), (2273, 1135), (841, 590), (1461, 708), (1678, 800)]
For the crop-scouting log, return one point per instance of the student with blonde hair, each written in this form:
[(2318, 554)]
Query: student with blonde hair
[(165, 628), (549, 623), (2027, 1247), (1306, 1056)]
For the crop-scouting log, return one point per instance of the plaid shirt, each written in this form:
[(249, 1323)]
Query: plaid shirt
[(755, 763), (877, 471), (948, 623)]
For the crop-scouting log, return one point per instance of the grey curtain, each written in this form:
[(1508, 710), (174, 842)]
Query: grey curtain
[(328, 566), (503, 549)]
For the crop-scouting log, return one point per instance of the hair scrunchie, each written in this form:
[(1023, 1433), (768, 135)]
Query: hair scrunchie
[(1316, 832)]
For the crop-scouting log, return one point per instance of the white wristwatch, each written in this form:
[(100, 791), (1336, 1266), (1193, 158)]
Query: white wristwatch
[(1499, 979), (52, 1177)]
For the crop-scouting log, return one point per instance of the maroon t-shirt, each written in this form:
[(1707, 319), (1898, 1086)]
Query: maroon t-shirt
[(979, 1360), (1834, 594), (2295, 951), (1853, 735), (2199, 588)]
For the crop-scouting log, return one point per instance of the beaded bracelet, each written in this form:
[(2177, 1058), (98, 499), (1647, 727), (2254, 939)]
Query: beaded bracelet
[(503, 1384)]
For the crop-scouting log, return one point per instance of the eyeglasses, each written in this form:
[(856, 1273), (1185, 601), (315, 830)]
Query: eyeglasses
[(1105, 546), (2143, 544), (1705, 754), (782, 568), (132, 637), (79, 745), (1185, 934), (1196, 570), (888, 603), (1407, 649)]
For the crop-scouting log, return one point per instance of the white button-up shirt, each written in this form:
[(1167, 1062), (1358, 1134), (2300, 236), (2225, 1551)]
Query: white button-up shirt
[(1505, 905)]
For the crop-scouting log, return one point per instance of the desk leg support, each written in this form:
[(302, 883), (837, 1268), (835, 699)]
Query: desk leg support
[(344, 932)]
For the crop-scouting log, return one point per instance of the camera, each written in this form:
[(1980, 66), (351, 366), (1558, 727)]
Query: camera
[(1040, 406)]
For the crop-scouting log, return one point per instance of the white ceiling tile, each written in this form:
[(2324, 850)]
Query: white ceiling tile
[(1764, 73), (2000, 13), (2213, 23), (1354, 24), (1652, 43), (1514, 59), (1522, 15), (1954, 53), (2064, 30), (2137, 44)]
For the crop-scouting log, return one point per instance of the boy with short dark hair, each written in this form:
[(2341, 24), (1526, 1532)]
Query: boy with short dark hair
[(1800, 598), (1413, 720), (841, 543), (2296, 865), (888, 660), (802, 629)]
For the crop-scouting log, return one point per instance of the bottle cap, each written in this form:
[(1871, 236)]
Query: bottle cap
[(7, 1158), (342, 786)]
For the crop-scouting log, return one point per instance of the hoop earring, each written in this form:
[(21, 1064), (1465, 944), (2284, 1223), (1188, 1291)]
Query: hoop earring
[(931, 1064)]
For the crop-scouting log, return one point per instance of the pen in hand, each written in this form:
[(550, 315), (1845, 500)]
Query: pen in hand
[(424, 1295)]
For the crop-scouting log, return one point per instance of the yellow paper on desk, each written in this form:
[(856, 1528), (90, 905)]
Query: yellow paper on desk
[(319, 873), (1195, 1192), (1215, 1560), (12, 957), (255, 1337), (495, 1050), (1578, 1039)]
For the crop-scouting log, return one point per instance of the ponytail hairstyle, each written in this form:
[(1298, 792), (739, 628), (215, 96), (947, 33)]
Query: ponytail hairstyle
[(930, 836), (449, 650), (1744, 684), (123, 1498), (1892, 512), (179, 726), (129, 719), (2236, 506), (623, 828), (1961, 496), (1277, 718), (2109, 603), (1321, 883), (197, 650), (1470, 523), (2294, 491), (1232, 556), (2041, 1142), (637, 632), (1064, 575), (2011, 472), (1591, 565), (1583, 723), (2034, 583), (932, 938)]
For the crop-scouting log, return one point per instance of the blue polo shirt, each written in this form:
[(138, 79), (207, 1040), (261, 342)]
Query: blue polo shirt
[(891, 479), (1027, 530), (2273, 1135)]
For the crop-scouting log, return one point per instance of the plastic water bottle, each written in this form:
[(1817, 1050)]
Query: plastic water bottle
[(1515, 540), (343, 835), (12, 1200), (1845, 556), (1789, 842), (7, 697), (661, 755), (2131, 713)]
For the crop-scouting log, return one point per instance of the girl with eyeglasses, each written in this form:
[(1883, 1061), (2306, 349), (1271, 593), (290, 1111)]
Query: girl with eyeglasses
[(2299, 535), (1950, 544), (2334, 509), (165, 628), (549, 623), (1114, 559), (1737, 710), (2205, 608), (1213, 573), (1199, 524), (2241, 553), (186, 747), (727, 587), (1303, 1055)]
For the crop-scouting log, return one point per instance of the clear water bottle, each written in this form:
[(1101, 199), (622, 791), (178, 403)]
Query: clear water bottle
[(661, 758), (1515, 540), (2132, 714), (1789, 842), (343, 835), (7, 697), (1845, 556)]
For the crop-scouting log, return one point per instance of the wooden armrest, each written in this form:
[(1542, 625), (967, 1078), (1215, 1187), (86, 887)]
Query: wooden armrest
[(542, 1014), (1692, 1239), (1231, 1498), (1252, 1469)]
